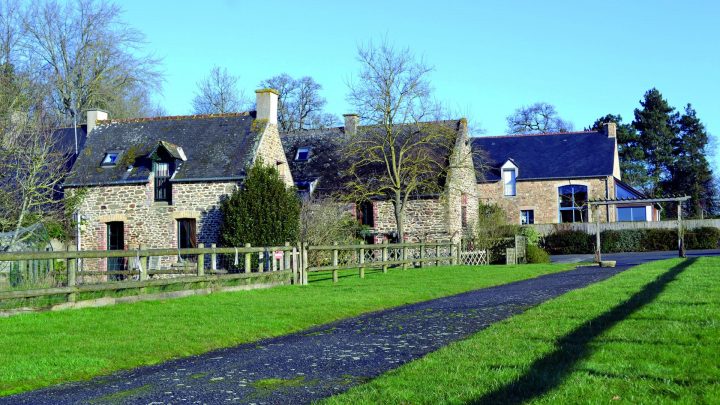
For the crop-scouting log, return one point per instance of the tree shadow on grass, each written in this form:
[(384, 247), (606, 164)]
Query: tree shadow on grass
[(550, 371)]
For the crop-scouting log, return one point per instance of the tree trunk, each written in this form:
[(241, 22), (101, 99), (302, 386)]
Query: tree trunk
[(397, 203)]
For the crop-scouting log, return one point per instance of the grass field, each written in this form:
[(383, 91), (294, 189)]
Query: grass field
[(41, 349), (648, 335)]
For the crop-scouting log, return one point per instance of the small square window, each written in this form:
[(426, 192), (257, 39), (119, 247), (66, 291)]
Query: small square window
[(302, 154), (527, 217), (110, 159)]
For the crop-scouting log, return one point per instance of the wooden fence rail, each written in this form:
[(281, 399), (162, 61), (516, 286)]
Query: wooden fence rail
[(294, 262)]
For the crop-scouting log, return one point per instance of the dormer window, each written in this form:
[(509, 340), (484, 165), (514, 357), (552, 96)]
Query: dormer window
[(303, 154), (509, 178), (163, 190), (110, 159)]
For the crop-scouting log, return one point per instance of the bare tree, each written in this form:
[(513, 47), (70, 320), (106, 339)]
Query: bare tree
[(398, 156), (88, 55), (537, 118), (324, 221), (218, 94), (31, 168), (299, 104)]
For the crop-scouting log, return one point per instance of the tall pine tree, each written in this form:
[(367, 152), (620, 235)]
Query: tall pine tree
[(690, 172), (656, 123), (630, 151)]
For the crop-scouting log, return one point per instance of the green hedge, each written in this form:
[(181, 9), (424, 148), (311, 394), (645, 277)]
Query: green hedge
[(630, 240), (536, 254)]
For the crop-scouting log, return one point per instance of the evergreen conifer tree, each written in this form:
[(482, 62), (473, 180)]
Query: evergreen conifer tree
[(656, 123), (263, 212), (632, 156)]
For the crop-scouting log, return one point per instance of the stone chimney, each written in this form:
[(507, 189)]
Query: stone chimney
[(610, 129), (93, 116), (267, 105), (351, 124)]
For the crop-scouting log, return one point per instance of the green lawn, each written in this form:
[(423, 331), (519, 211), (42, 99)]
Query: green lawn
[(41, 349), (648, 335)]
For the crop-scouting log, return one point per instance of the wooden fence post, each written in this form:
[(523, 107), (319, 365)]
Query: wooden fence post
[(286, 258), (72, 273), (335, 263), (213, 258), (248, 260), (273, 261), (294, 265), (305, 264), (453, 258), (143, 264), (201, 261), (261, 264), (404, 257), (361, 260), (384, 257), (437, 254), (422, 254)]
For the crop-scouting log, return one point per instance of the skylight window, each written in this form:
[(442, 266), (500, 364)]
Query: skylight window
[(302, 154), (110, 159)]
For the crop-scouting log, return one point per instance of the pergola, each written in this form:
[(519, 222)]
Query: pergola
[(615, 201)]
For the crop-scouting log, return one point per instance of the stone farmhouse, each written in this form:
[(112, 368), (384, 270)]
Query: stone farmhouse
[(316, 162), (548, 178), (159, 181)]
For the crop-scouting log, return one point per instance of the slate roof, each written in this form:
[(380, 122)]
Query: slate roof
[(65, 138), (217, 147), (545, 156), (325, 163)]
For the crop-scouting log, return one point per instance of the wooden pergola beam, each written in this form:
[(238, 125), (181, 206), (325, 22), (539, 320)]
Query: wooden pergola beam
[(678, 199)]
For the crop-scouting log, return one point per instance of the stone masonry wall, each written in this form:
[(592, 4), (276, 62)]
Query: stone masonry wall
[(272, 153), (542, 197), (424, 220), (461, 187), (147, 222)]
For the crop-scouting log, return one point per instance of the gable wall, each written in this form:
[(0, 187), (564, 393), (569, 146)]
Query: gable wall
[(271, 151), (542, 197)]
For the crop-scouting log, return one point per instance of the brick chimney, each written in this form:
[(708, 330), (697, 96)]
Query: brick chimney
[(93, 116), (610, 129), (351, 124), (267, 105)]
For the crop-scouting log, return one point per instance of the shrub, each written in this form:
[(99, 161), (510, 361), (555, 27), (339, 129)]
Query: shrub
[(533, 237), (658, 239), (263, 212), (568, 242), (703, 238), (629, 240), (536, 254)]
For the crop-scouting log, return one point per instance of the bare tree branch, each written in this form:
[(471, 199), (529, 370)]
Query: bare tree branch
[(537, 118), (218, 94)]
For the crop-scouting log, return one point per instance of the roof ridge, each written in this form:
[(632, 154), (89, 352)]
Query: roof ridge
[(540, 134), (176, 117)]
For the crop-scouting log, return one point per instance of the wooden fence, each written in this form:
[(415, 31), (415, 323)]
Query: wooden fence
[(71, 273)]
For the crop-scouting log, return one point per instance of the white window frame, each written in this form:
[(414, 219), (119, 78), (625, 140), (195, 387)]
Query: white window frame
[(509, 183), (306, 151)]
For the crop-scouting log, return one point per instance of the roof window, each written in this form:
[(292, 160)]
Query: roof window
[(302, 154), (110, 159)]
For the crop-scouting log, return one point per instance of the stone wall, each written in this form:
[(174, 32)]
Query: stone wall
[(461, 190), (147, 222), (272, 153), (425, 220), (542, 197)]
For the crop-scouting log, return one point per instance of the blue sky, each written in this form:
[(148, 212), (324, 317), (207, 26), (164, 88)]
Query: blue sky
[(490, 57)]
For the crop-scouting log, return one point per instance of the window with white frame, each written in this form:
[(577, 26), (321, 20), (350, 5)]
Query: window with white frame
[(509, 180), (527, 217), (302, 154)]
